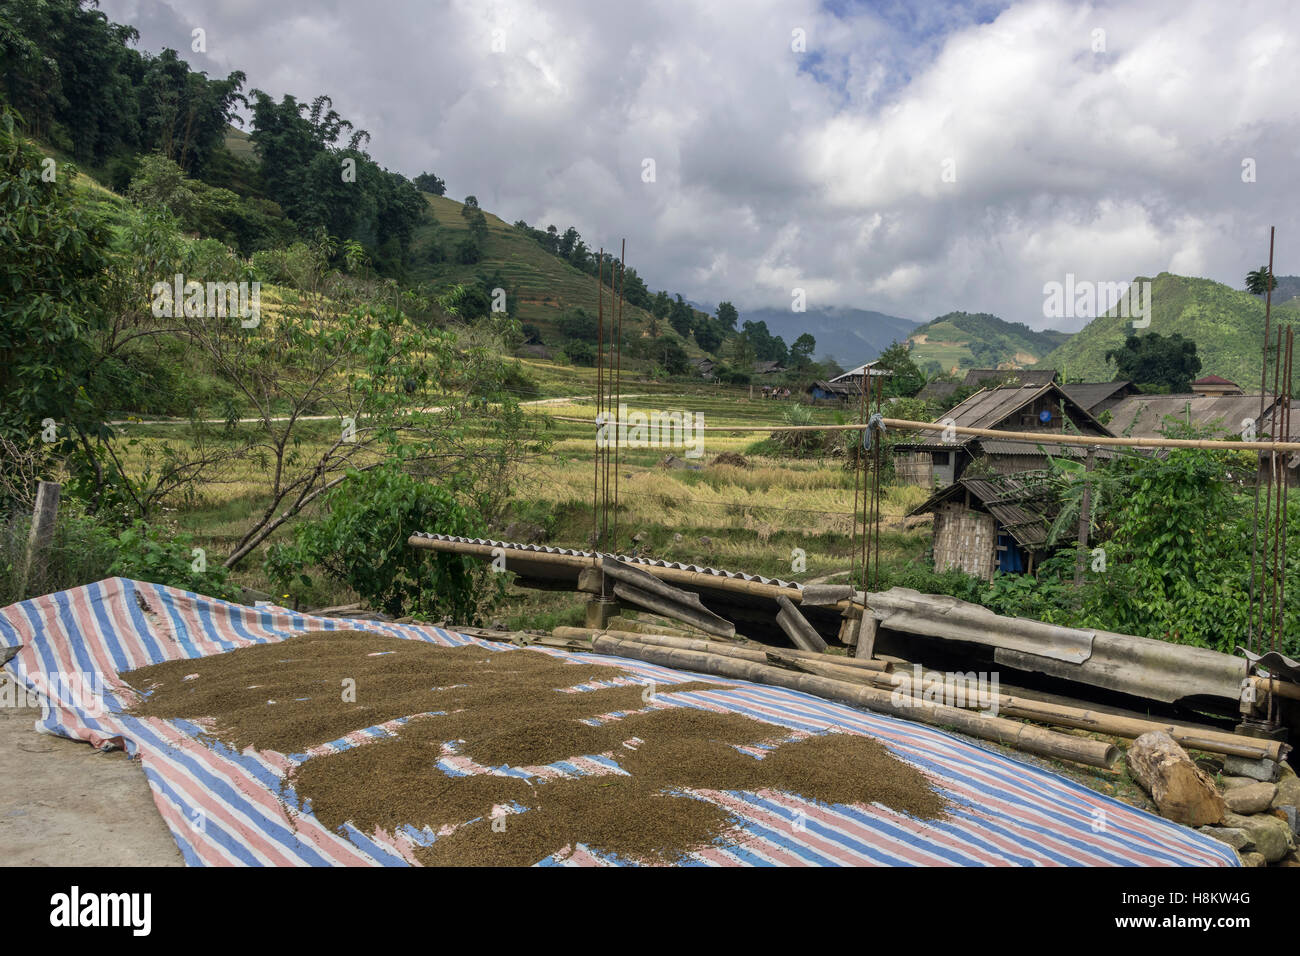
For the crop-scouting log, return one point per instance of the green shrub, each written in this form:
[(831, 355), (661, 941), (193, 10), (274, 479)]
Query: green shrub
[(360, 542), (147, 553), (85, 549)]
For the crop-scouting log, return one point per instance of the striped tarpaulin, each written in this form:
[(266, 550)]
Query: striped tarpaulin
[(229, 808)]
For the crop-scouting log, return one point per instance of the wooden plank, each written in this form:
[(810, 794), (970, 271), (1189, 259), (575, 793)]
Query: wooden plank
[(797, 628)]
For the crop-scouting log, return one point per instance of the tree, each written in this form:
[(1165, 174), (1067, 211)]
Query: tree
[(802, 349), (396, 390), (429, 183), (740, 353), (53, 253), (1260, 281), (727, 315), (767, 347), (907, 379), (681, 317), (1155, 360), (708, 337)]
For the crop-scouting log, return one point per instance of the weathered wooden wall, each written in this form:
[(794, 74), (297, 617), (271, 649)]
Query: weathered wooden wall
[(964, 539), (914, 469)]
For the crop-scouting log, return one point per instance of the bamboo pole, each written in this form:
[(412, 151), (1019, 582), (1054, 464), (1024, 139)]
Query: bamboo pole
[(1024, 737), (753, 652), (1060, 715)]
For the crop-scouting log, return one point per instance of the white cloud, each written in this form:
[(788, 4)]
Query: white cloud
[(822, 170)]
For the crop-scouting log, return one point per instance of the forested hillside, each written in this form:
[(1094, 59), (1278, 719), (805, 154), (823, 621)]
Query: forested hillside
[(1227, 326), (961, 340)]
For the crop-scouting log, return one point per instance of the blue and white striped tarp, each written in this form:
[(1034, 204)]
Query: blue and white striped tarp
[(225, 808)]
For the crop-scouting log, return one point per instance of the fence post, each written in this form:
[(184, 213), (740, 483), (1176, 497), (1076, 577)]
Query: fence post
[(44, 517)]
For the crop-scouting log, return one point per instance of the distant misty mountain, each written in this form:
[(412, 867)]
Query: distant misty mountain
[(850, 336)]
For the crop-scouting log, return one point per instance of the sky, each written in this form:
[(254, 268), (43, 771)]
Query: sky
[(913, 159)]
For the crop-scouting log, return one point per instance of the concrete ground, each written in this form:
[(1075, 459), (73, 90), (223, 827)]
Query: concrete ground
[(62, 803)]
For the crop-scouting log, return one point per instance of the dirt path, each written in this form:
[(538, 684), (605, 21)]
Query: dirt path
[(333, 418), (63, 803)]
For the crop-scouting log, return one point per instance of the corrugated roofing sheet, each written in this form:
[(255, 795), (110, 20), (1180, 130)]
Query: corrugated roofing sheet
[(1089, 394), (740, 575), (1143, 416)]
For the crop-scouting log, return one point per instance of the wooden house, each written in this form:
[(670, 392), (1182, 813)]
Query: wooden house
[(990, 524), (1042, 409)]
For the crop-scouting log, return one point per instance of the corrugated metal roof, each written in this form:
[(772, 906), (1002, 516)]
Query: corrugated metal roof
[(620, 557), (1090, 394), (996, 446), (991, 407), (1143, 416)]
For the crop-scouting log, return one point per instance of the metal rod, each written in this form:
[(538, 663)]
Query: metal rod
[(600, 399), (1263, 382), (618, 381)]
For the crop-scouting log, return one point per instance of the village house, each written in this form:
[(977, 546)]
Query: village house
[(824, 391), (989, 524), (1046, 409), (1146, 416), (855, 377), (1213, 385), (1097, 398)]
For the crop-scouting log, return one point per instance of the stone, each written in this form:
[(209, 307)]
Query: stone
[(1288, 792), (1235, 837), (1181, 790), (1253, 859), (677, 539), (1292, 815), (1255, 798), (706, 541), (1257, 769), (1271, 836), (1232, 783)]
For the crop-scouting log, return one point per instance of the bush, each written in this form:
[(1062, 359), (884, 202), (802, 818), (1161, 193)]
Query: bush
[(146, 553), (360, 542), (580, 353), (86, 549)]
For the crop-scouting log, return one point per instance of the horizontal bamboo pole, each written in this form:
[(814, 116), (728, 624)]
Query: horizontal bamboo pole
[(1046, 438), (1060, 715), (1035, 740), (751, 652), (1267, 685)]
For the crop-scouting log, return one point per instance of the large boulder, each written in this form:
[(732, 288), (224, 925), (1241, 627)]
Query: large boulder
[(1182, 791), (1255, 798), (1271, 836), (1288, 792)]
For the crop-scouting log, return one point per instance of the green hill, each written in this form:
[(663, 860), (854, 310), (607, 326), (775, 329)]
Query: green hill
[(545, 285), (964, 340), (1227, 326)]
